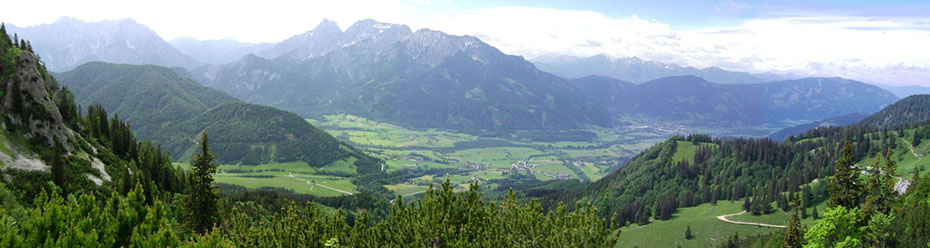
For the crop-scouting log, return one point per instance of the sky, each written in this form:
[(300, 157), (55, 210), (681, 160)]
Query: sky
[(884, 42)]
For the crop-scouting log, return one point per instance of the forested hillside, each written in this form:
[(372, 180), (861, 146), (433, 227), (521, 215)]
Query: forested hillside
[(908, 110), (686, 171), (172, 110)]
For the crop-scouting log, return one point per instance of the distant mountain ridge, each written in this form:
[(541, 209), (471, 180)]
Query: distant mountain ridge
[(691, 98), (68, 42), (387, 72), (636, 70), (220, 51), (832, 122)]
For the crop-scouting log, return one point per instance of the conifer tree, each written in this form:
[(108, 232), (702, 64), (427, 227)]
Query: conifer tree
[(202, 202), (915, 140), (59, 175), (844, 187), (793, 236)]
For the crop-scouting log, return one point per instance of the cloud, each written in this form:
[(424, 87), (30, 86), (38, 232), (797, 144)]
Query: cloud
[(885, 50), (730, 7)]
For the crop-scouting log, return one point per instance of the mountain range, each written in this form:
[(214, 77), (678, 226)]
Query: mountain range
[(636, 70), (691, 98), (68, 43), (430, 79), (388, 72), (906, 91)]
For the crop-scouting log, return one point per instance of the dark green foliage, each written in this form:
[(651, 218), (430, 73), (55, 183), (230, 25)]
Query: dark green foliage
[(238, 125), (844, 187), (441, 218), (58, 167), (793, 235), (915, 140), (756, 170), (202, 205), (771, 239), (85, 221)]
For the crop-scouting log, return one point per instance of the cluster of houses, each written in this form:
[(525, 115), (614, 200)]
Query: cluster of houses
[(523, 165), (559, 175)]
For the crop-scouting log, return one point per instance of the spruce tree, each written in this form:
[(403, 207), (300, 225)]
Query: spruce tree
[(916, 139), (844, 187), (793, 236), (746, 204), (59, 176), (202, 202)]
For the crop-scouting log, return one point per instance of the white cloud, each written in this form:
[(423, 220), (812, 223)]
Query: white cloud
[(887, 51)]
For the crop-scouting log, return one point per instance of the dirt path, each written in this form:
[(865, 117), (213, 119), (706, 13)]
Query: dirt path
[(323, 186), (919, 157), (724, 219)]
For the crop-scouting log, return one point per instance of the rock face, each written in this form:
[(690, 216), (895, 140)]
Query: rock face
[(29, 103)]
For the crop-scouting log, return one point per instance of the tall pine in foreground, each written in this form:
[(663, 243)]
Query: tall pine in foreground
[(202, 202), (793, 236), (844, 186)]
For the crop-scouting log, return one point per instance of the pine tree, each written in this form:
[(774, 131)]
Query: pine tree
[(873, 194), (688, 235), (202, 202), (814, 213), (916, 139), (792, 238), (844, 187), (806, 197), (747, 205), (59, 176)]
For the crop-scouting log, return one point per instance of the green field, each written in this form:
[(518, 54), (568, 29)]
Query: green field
[(589, 156), (708, 231), (299, 183), (297, 176)]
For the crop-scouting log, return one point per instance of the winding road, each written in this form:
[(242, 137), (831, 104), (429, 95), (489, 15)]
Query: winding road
[(724, 219)]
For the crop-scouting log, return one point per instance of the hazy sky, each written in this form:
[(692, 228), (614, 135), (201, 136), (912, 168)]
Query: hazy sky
[(874, 41)]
